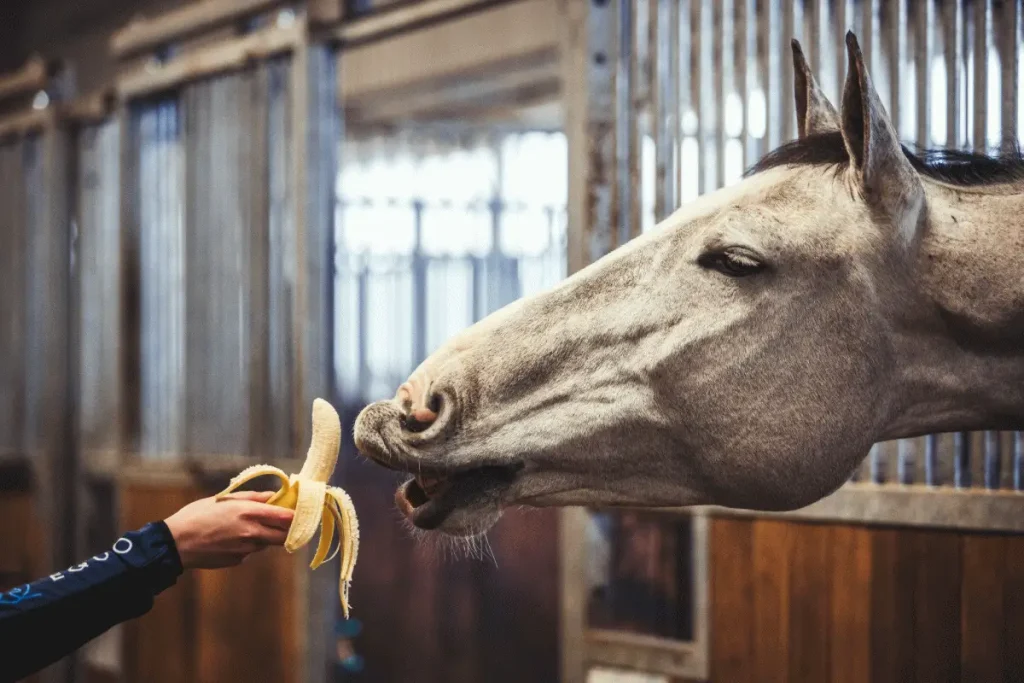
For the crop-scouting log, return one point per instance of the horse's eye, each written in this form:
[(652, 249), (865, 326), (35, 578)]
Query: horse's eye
[(732, 262)]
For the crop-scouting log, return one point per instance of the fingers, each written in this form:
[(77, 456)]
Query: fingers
[(267, 535), (253, 531), (269, 516), (255, 496)]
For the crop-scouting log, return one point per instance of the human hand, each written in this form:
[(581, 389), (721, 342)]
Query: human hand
[(211, 534)]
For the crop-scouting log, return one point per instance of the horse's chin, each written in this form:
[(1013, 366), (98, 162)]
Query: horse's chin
[(468, 503)]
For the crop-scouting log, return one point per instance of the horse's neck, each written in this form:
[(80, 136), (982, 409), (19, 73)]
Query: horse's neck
[(972, 264), (964, 368)]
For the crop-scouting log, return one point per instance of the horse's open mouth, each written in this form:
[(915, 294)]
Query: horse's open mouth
[(428, 501)]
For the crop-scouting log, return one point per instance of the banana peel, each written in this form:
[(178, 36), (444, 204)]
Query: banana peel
[(316, 504)]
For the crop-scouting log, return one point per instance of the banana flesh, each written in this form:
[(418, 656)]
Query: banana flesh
[(315, 503)]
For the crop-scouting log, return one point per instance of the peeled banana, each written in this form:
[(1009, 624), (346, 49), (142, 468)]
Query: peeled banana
[(313, 501)]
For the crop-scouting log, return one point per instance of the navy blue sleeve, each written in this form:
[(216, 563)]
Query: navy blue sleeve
[(44, 621)]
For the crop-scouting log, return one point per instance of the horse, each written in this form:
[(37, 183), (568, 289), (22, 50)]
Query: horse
[(745, 353)]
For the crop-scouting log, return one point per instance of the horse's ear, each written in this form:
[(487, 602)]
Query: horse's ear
[(814, 113), (888, 180)]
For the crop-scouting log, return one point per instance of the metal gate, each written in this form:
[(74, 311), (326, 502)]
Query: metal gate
[(96, 228), (209, 214), (667, 100), (226, 119)]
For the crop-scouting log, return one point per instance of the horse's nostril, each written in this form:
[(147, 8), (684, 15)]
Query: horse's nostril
[(421, 418), (414, 424)]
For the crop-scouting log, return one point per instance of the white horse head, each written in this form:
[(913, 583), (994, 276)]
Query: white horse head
[(748, 351)]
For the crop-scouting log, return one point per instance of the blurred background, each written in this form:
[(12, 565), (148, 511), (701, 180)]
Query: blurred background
[(214, 211)]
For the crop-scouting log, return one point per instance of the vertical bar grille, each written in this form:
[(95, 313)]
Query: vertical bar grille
[(947, 72)]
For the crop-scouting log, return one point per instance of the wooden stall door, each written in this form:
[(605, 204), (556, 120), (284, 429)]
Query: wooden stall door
[(237, 624), (19, 556), (810, 602), (435, 611)]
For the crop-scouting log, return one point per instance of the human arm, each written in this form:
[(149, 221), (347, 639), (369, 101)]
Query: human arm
[(44, 621)]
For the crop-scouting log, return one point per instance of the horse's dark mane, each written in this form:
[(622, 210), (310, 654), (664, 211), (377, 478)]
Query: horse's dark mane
[(956, 167)]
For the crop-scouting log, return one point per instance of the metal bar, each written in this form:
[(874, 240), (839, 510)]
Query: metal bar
[(665, 17), (896, 38), (923, 16), (766, 80), (931, 454), (1018, 461), (256, 177), (673, 125), (722, 62), (905, 461), (746, 48), (787, 103), (689, 167), (952, 24), (962, 460), (156, 235), (279, 256), (227, 56), (205, 238), (217, 259), (130, 398), (151, 231), (877, 457), (625, 119), (175, 209), (408, 16), (844, 21), (807, 31), (1007, 23), (146, 231), (980, 51), (587, 32), (638, 106), (869, 30), (589, 130), (230, 267), (419, 288), (316, 130), (194, 186), (992, 460), (168, 418), (699, 67), (146, 34), (161, 312), (913, 506)]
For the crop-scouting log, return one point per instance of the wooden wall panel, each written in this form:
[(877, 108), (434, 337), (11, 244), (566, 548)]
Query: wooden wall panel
[(732, 587), (892, 608), (246, 616), (160, 647), (224, 625), (1013, 612), (810, 605), (19, 558), (772, 546), (936, 606), (849, 620), (431, 614), (847, 603), (981, 613)]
